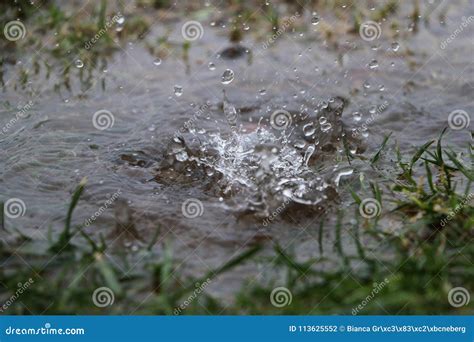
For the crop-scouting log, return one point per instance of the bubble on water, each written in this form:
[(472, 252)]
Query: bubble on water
[(262, 91), (157, 62), (374, 64), (211, 66), (395, 46), (178, 90), (372, 109), (366, 85), (381, 87), (356, 116), (79, 63), (245, 27), (227, 76), (309, 129), (323, 120)]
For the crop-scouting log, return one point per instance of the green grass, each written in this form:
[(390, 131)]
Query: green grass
[(422, 260)]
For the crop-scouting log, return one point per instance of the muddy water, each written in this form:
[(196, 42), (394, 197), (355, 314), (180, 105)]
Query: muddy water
[(411, 82)]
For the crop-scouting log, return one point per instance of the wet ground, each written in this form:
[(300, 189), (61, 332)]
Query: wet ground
[(403, 80)]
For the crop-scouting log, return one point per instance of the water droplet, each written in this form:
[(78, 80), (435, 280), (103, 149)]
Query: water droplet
[(366, 85), (79, 63), (157, 61), (356, 116), (121, 20), (307, 155), (323, 120), (309, 129), (262, 91), (373, 64), (181, 156), (314, 19), (178, 90), (211, 66), (326, 127), (227, 76), (395, 46)]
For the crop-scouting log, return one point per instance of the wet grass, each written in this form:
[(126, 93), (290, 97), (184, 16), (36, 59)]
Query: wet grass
[(413, 263)]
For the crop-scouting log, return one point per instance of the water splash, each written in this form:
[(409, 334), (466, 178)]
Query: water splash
[(258, 168)]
